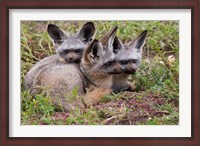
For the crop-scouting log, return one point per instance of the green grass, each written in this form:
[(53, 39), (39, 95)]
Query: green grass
[(156, 101)]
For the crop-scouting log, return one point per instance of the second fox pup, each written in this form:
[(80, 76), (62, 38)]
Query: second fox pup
[(69, 49), (129, 56), (93, 78)]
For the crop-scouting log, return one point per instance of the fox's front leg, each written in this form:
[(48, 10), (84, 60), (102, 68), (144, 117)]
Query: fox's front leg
[(95, 95), (131, 86), (128, 86)]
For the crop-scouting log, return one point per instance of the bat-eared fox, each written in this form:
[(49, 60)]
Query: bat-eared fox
[(129, 56), (69, 49)]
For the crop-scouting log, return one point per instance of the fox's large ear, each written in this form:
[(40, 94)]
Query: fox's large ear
[(139, 42), (117, 45), (87, 32), (108, 39), (56, 34), (92, 52)]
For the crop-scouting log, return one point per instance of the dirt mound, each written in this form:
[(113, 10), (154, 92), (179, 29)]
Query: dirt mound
[(132, 110)]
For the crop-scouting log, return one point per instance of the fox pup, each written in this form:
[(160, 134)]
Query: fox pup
[(93, 78), (69, 49), (129, 56), (70, 46)]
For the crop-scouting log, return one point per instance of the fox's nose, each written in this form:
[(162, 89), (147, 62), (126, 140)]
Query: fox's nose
[(70, 58), (133, 70)]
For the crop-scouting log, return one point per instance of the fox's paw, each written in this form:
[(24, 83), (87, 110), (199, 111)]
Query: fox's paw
[(118, 89), (132, 86)]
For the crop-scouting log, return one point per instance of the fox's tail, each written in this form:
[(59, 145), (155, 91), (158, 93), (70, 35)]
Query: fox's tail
[(95, 94)]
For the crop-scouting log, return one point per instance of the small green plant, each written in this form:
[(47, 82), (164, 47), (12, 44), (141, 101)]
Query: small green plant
[(88, 117), (157, 77), (39, 106), (73, 95)]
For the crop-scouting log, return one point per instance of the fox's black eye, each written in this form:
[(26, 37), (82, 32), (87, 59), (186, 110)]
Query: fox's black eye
[(78, 50), (124, 62), (66, 51), (108, 63), (134, 61)]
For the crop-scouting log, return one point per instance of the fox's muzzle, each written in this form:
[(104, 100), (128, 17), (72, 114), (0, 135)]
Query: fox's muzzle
[(71, 56), (118, 68), (130, 71)]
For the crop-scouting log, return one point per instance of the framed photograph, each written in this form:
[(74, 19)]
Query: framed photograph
[(100, 73)]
